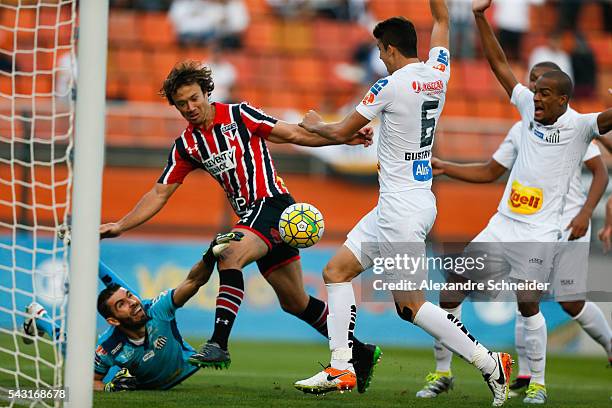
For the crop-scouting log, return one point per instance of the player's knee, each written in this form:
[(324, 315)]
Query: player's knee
[(233, 261), (572, 308), (333, 274)]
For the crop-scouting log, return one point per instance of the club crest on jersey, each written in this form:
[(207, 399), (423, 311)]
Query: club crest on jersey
[(221, 162), (552, 137), (374, 90), (160, 342), (229, 131), (524, 199), (421, 170)]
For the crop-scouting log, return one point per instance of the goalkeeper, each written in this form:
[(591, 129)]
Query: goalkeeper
[(143, 337)]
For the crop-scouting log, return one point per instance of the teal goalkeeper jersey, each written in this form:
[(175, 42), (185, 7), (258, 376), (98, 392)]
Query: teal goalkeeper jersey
[(161, 361)]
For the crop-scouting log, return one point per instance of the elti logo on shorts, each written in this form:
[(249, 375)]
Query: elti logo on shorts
[(525, 200), (421, 170)]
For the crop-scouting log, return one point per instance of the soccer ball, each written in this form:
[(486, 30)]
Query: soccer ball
[(301, 225)]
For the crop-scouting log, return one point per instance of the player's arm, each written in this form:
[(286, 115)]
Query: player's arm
[(470, 172), (145, 209), (605, 234), (492, 50), (346, 129), (439, 33), (200, 273), (604, 123), (297, 134), (580, 223)]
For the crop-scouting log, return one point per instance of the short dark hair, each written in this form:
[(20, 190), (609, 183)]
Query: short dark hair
[(187, 73), (547, 64), (563, 81), (398, 32), (103, 306)]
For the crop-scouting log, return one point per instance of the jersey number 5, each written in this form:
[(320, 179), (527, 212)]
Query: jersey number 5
[(428, 125)]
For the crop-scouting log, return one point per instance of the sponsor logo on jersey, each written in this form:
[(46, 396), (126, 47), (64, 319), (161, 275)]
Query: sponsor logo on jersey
[(430, 88), (374, 90), (116, 349), (524, 199), (421, 170), (156, 298), (160, 342), (410, 156), (440, 67), (229, 131), (443, 57), (148, 356), (100, 351), (220, 162)]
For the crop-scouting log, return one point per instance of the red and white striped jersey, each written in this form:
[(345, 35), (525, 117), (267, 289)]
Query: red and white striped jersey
[(233, 151)]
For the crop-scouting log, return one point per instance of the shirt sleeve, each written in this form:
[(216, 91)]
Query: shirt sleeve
[(258, 122), (522, 98), (588, 123), (439, 58), (177, 168), (102, 361), (162, 306), (379, 98), (592, 151), (507, 151)]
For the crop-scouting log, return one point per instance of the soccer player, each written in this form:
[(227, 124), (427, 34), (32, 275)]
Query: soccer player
[(409, 101), (143, 337), (533, 201), (571, 264), (229, 142)]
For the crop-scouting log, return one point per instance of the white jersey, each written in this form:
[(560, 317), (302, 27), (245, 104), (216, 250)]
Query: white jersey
[(409, 102), (548, 158), (574, 201)]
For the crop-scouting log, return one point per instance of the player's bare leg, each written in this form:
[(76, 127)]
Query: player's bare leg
[(352, 362), (535, 338), (231, 292)]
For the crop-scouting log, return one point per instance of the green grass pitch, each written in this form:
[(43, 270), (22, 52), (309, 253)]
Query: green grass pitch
[(262, 374)]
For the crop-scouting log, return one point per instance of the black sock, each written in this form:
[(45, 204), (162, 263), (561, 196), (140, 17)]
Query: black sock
[(315, 315), (231, 292)]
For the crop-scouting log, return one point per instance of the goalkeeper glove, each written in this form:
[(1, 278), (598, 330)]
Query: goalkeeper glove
[(122, 381), (218, 245)]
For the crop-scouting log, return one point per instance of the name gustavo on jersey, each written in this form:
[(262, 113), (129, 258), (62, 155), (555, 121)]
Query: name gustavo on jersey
[(220, 162), (410, 156)]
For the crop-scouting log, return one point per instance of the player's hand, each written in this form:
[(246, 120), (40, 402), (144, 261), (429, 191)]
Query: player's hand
[(479, 6), (110, 230), (362, 137), (122, 381), (218, 245), (579, 225), (437, 167), (64, 234), (605, 236), (310, 121)]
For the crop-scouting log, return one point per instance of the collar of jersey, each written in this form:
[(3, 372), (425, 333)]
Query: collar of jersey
[(561, 119), (220, 115)]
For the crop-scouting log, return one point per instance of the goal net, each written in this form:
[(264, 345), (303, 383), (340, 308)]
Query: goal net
[(37, 77)]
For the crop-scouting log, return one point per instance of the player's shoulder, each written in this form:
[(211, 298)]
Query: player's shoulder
[(110, 342), (439, 59)]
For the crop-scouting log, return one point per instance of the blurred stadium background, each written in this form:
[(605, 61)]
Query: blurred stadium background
[(287, 57)]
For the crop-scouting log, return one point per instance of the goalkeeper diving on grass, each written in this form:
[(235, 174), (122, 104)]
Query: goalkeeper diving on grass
[(143, 339)]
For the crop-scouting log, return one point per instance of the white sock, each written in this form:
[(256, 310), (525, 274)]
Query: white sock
[(593, 321), (519, 343), (340, 298), (443, 355), (453, 335), (535, 345)]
